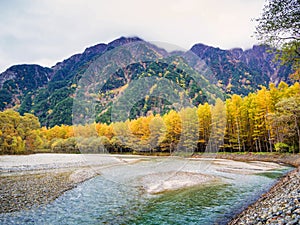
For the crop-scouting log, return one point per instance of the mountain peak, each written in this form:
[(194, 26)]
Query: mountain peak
[(96, 48), (123, 40)]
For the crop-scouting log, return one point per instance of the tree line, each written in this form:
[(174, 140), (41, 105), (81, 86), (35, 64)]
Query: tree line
[(265, 121)]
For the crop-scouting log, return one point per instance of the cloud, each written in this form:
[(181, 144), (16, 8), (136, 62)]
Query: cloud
[(48, 31)]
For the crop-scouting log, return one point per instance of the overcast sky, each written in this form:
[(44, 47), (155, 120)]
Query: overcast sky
[(47, 31)]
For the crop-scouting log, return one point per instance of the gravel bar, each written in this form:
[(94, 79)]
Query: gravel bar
[(28, 181), (24, 191), (280, 205)]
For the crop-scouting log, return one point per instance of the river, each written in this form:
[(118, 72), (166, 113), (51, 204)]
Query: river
[(158, 190)]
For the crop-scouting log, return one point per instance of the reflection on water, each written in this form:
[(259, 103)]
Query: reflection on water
[(117, 196)]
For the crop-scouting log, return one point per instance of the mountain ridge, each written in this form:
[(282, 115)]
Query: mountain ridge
[(47, 92)]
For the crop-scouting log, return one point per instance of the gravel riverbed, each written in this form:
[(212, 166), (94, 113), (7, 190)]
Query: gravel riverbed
[(21, 191), (281, 205), (24, 191)]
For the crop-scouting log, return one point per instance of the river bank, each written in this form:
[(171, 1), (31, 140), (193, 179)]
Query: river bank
[(290, 159), (281, 204)]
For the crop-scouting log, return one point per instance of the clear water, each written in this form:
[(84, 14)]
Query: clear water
[(116, 197)]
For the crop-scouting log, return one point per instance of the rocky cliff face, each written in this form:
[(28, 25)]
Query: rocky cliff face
[(260, 59), (241, 71)]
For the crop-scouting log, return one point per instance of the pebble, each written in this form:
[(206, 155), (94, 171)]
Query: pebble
[(281, 205), (19, 192)]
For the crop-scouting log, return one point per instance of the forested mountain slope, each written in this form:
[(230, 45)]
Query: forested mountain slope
[(48, 92)]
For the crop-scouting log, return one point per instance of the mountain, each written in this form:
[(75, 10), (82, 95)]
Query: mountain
[(49, 92), (241, 72), (18, 81)]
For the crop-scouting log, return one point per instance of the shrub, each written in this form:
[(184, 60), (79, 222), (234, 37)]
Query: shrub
[(281, 147)]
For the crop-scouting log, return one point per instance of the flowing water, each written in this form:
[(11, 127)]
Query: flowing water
[(118, 196)]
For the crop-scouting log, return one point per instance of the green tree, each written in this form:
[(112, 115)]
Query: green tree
[(279, 27), (288, 110)]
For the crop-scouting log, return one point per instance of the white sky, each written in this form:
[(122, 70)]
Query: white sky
[(47, 31)]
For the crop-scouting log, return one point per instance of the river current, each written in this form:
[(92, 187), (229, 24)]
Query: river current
[(118, 194)]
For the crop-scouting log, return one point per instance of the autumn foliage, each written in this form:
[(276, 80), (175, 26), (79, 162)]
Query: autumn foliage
[(265, 121)]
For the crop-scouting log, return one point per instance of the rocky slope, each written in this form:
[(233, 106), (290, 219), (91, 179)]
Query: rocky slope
[(241, 72), (281, 205)]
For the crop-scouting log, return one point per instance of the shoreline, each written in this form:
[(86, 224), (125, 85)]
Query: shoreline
[(279, 205), (288, 159)]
